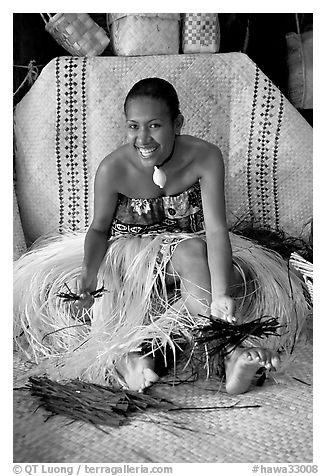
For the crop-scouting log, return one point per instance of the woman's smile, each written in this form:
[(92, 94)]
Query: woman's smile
[(147, 152)]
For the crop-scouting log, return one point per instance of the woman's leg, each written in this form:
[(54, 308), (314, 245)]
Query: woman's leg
[(137, 371), (189, 263)]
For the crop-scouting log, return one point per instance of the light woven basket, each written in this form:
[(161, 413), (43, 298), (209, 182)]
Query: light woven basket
[(306, 269), (300, 67), (78, 33), (200, 33), (141, 34)]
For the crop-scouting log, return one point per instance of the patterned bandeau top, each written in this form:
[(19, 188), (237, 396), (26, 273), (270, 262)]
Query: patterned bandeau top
[(182, 213)]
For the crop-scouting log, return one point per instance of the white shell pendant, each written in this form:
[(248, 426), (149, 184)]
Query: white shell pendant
[(159, 177)]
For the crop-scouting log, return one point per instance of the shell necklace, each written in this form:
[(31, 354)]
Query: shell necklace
[(159, 176)]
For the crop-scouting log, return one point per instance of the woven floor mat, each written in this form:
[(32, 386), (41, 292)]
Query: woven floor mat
[(277, 428)]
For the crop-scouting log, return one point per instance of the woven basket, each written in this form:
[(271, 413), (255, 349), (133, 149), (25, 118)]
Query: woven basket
[(141, 34), (77, 33), (306, 269), (200, 33), (300, 67)]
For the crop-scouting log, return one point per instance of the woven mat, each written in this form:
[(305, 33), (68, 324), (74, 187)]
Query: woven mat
[(280, 430), (72, 117)]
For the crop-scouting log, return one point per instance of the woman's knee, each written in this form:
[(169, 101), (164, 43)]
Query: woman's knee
[(188, 253), (242, 281)]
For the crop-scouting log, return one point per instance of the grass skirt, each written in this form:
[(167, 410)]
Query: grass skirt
[(136, 311)]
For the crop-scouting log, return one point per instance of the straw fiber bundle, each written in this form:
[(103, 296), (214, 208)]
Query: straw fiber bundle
[(100, 405), (72, 117), (96, 404)]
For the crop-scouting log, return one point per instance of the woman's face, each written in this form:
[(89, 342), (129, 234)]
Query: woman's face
[(150, 130)]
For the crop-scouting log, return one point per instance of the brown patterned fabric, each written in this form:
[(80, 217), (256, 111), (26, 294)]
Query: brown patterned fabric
[(178, 213)]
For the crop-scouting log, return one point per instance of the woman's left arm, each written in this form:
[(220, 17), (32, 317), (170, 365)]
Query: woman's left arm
[(217, 235)]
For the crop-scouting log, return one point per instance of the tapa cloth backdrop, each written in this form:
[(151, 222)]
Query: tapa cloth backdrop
[(72, 117)]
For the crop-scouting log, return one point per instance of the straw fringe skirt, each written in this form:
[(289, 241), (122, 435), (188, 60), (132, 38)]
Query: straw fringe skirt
[(136, 311)]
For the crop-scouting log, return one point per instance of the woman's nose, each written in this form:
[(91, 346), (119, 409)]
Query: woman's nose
[(143, 135)]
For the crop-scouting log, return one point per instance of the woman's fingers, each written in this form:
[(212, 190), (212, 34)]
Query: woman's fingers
[(85, 301), (223, 308)]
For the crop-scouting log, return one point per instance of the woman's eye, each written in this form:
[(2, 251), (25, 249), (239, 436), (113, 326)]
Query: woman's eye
[(155, 126), (132, 126)]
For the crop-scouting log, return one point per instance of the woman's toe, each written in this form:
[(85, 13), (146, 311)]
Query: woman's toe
[(150, 376), (275, 361)]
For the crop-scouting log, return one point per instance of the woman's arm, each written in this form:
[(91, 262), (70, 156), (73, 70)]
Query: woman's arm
[(217, 235), (96, 240)]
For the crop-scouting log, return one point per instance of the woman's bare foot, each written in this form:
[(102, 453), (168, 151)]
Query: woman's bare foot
[(137, 371), (242, 365)]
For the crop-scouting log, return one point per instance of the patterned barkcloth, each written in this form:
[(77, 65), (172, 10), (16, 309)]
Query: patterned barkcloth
[(73, 117)]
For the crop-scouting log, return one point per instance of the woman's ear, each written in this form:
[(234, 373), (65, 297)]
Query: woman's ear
[(178, 123)]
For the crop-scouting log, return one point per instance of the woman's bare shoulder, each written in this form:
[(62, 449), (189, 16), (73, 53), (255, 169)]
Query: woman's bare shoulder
[(201, 153), (114, 163), (197, 144)]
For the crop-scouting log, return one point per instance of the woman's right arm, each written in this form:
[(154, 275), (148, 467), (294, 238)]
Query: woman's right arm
[(96, 240)]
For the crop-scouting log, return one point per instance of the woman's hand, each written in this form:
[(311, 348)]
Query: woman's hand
[(222, 307), (86, 284)]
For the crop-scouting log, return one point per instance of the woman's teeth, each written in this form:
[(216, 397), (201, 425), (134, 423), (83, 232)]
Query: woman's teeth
[(146, 152)]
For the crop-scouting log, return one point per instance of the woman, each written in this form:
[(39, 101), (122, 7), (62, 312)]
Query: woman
[(159, 219)]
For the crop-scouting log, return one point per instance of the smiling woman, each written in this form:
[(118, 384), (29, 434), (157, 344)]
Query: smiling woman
[(153, 122), (159, 220), (153, 135)]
